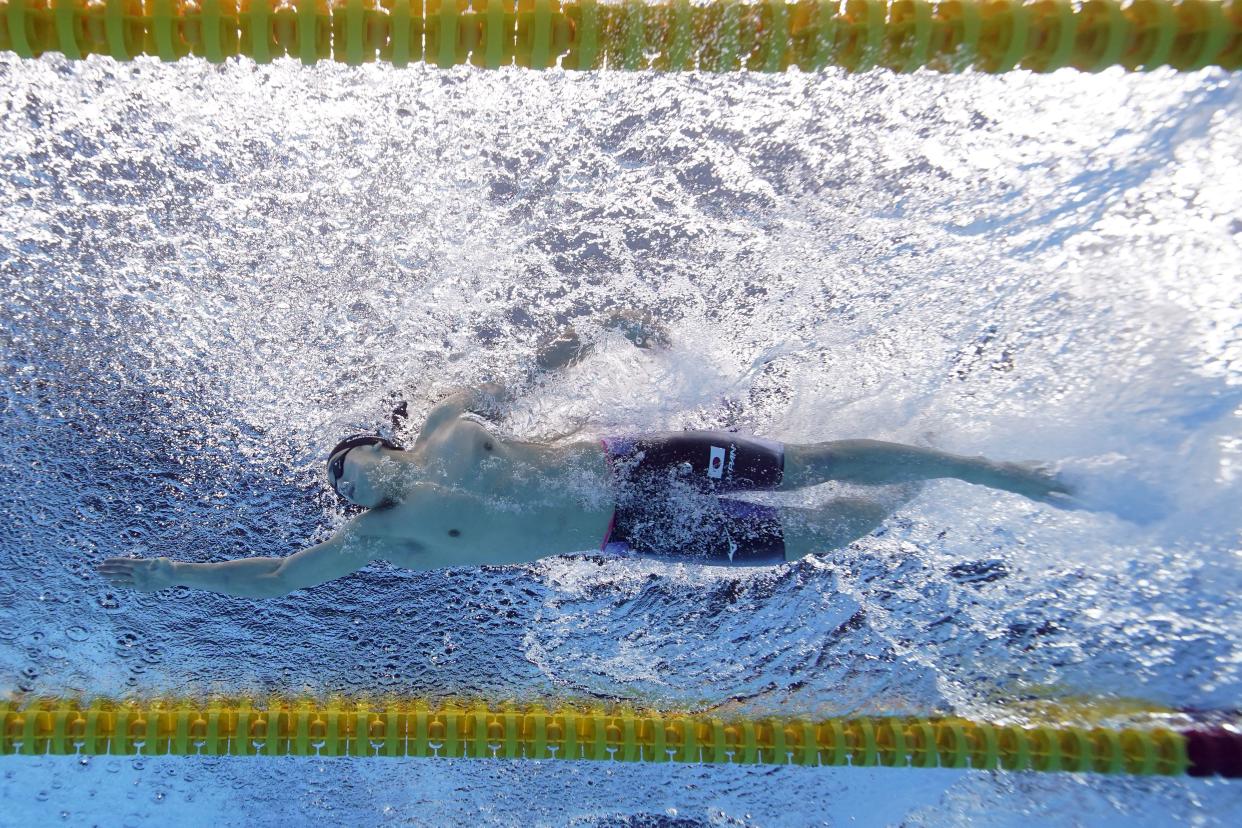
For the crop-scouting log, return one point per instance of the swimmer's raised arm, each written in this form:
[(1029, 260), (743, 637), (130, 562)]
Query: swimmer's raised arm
[(562, 351), (642, 329), (487, 399), (341, 555)]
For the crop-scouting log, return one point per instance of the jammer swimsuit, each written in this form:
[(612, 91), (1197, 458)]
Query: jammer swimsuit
[(668, 502)]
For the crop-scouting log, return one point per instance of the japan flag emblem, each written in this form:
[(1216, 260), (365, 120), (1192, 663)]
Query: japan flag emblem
[(715, 463)]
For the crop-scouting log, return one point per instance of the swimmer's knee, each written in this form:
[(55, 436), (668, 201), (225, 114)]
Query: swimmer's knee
[(800, 466), (810, 464), (792, 555)]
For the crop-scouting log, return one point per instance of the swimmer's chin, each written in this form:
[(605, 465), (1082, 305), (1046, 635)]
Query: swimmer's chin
[(377, 506)]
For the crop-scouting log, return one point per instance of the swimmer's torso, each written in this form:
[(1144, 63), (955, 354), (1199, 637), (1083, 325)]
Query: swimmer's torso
[(465, 496)]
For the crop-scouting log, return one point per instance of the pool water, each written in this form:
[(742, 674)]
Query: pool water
[(211, 274)]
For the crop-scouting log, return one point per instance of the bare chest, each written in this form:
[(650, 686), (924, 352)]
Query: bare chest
[(465, 455), (437, 527)]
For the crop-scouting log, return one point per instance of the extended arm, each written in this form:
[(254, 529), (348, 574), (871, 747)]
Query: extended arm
[(344, 553)]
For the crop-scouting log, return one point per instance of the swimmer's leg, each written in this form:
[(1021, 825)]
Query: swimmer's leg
[(878, 463), (838, 522)]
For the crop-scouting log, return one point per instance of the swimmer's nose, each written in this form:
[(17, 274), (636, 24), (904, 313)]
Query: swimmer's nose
[(346, 489)]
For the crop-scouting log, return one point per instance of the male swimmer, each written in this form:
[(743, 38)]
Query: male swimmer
[(461, 496)]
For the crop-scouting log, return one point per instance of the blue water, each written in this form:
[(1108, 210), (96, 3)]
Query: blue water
[(212, 273)]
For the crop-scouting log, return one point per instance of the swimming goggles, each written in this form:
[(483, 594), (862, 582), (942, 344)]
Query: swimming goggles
[(336, 460)]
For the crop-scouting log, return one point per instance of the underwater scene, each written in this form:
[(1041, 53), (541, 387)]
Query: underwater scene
[(213, 273)]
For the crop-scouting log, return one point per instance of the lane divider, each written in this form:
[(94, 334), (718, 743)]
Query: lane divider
[(629, 35), (415, 728)]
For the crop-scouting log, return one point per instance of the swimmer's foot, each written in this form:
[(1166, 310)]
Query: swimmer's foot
[(1034, 480)]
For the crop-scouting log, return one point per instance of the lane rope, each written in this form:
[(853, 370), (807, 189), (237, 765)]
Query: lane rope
[(667, 35), (417, 728)]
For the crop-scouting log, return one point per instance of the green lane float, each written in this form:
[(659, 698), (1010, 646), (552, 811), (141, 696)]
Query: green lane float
[(667, 35), (416, 728)]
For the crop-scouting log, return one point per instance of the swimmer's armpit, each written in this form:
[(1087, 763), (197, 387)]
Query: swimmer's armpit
[(488, 400)]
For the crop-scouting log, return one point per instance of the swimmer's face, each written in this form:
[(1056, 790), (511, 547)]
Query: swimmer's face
[(361, 475)]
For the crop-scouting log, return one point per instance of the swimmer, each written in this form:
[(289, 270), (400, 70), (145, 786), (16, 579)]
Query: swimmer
[(462, 496)]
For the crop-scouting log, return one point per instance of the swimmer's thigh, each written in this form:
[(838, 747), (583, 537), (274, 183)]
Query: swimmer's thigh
[(716, 461)]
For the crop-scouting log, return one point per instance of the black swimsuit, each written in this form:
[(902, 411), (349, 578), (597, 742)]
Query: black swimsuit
[(668, 504)]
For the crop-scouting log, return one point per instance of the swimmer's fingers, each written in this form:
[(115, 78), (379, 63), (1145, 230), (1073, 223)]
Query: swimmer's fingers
[(1036, 481), (1057, 483), (561, 352), (118, 570), (1049, 487), (1045, 474), (143, 575), (1058, 488), (641, 329)]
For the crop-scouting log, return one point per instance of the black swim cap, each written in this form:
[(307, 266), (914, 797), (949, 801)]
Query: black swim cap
[(342, 448)]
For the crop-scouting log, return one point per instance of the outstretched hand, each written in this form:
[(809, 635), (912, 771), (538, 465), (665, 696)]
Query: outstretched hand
[(140, 574), (561, 352), (642, 329)]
